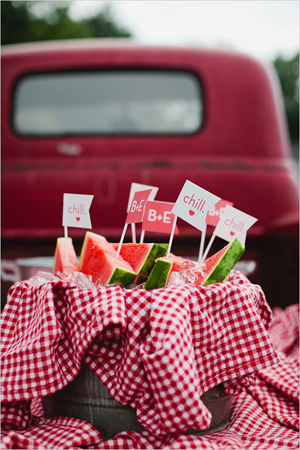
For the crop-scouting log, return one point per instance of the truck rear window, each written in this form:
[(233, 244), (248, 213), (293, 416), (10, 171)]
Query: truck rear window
[(108, 102)]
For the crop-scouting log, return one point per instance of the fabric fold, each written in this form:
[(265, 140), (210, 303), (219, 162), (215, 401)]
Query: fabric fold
[(157, 351), (46, 330)]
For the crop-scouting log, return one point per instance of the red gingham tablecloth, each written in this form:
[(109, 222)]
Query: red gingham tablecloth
[(157, 351)]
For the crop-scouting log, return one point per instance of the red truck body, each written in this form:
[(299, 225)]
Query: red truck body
[(234, 144)]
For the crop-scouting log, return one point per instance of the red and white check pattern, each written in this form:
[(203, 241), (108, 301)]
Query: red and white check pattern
[(155, 350)]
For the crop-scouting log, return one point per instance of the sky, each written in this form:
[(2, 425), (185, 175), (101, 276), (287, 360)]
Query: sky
[(263, 29)]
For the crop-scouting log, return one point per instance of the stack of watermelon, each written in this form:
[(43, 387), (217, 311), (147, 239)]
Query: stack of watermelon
[(137, 263), (214, 270), (99, 259)]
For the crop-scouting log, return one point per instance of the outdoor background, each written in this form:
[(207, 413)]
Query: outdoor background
[(267, 30)]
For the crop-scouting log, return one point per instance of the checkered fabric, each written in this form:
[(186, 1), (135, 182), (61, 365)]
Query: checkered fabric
[(154, 350)]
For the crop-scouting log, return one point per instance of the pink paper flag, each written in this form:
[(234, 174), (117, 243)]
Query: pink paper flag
[(137, 207), (214, 214), (158, 217), (135, 187)]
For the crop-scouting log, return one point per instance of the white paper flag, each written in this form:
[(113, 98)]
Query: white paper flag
[(193, 204), (233, 224), (76, 210)]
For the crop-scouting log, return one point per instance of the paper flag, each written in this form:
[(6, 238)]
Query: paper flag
[(214, 214), (158, 217), (137, 208), (135, 187), (193, 204), (233, 224), (135, 213), (76, 210), (212, 218)]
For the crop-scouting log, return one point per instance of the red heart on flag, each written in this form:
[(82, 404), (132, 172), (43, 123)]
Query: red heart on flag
[(191, 212), (77, 218), (232, 233)]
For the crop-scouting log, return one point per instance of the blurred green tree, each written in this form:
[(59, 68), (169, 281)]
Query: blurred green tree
[(288, 72), (28, 21)]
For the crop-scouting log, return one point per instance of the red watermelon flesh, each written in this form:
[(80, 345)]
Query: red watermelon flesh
[(141, 256), (99, 259), (60, 263), (135, 253)]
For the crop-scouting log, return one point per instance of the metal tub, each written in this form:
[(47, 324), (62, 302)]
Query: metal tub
[(87, 398)]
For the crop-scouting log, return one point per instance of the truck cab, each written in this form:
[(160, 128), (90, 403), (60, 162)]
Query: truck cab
[(93, 116)]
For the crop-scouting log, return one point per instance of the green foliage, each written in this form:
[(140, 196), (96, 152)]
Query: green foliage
[(102, 25), (29, 21), (288, 72)]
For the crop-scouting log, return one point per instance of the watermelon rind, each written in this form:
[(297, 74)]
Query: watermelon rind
[(225, 264), (166, 246), (157, 251), (159, 275), (96, 254), (122, 276)]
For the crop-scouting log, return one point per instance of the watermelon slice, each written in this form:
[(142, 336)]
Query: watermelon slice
[(142, 256), (217, 267), (221, 263), (159, 275), (98, 259), (60, 264), (177, 262)]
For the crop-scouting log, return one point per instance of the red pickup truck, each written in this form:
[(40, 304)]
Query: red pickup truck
[(93, 116)]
